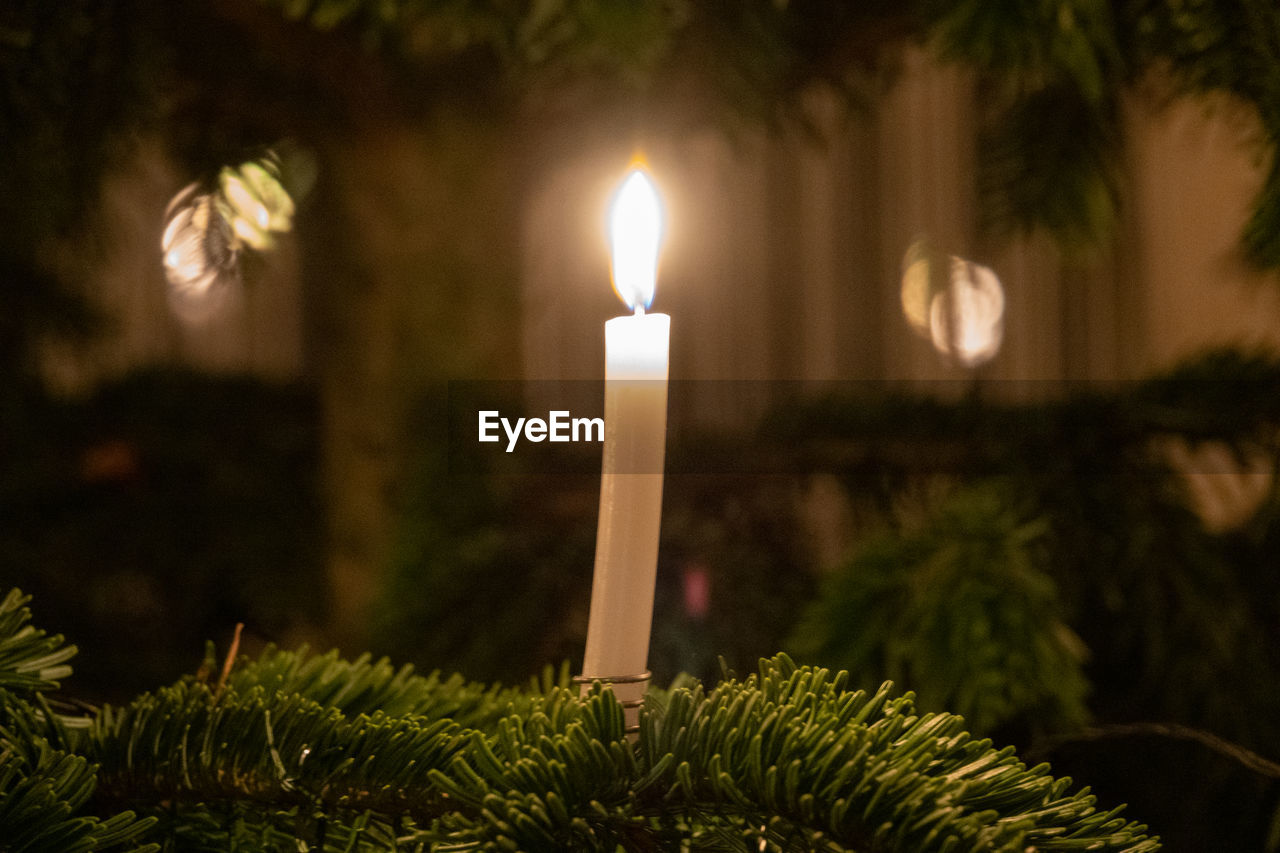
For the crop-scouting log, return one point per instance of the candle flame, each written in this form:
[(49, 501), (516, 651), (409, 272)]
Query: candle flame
[(635, 235)]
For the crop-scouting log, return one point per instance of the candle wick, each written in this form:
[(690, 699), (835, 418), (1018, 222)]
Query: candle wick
[(640, 310)]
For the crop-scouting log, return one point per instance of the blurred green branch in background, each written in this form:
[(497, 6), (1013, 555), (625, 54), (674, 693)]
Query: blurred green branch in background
[(961, 608)]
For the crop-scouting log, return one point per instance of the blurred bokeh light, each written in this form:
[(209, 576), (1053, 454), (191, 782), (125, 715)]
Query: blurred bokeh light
[(200, 255), (958, 305), (205, 233)]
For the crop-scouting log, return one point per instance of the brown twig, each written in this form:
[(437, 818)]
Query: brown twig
[(1222, 746), (231, 659)]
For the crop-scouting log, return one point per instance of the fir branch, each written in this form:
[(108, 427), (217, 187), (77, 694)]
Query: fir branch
[(294, 749), (30, 659), (1262, 231), (43, 788), (365, 685), (39, 800), (866, 770), (789, 753), (960, 610), (276, 749)]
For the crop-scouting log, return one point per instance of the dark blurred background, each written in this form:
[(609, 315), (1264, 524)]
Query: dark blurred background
[(974, 315)]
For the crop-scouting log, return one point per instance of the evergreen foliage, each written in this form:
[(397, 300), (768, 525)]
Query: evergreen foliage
[(1229, 46), (961, 610), (294, 752), (1168, 608), (44, 787)]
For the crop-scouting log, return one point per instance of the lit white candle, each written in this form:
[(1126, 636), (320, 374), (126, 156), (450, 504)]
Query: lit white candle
[(635, 429)]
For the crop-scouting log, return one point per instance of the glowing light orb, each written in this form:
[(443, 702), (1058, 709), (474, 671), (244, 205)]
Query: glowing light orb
[(200, 254), (958, 306), (966, 321), (258, 206), (917, 287), (206, 231)]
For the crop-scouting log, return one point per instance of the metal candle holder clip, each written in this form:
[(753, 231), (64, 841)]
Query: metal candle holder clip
[(630, 707)]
